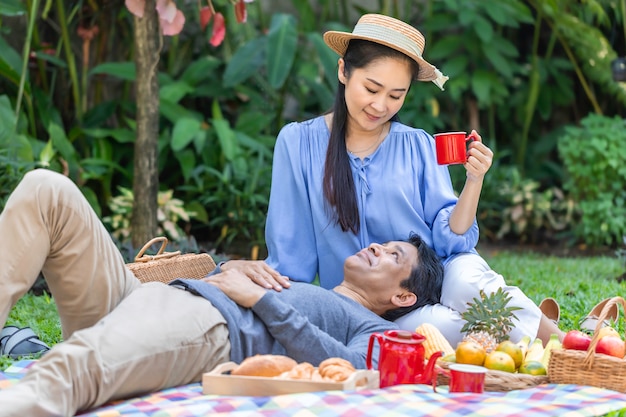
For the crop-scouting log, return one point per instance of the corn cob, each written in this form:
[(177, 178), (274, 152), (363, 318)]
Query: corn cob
[(435, 341), (553, 344), (535, 351)]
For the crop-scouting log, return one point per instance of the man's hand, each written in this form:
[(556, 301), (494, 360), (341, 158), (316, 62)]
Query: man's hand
[(237, 287), (259, 272)]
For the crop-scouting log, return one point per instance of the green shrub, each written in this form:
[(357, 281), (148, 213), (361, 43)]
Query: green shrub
[(594, 156)]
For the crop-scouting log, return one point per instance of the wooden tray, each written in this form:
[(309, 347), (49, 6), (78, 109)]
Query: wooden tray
[(220, 382)]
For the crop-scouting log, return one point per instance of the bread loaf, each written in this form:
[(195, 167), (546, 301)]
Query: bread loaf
[(264, 365), (336, 369), (302, 371)]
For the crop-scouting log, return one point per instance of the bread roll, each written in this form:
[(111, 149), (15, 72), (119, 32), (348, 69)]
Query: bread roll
[(264, 365), (336, 369), (303, 371)]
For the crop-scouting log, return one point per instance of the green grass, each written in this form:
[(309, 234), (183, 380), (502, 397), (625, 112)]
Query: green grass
[(577, 283)]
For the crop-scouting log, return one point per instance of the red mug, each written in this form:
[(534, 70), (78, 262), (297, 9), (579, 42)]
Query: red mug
[(451, 147), (465, 378)]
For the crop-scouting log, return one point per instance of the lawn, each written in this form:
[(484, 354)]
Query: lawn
[(578, 283)]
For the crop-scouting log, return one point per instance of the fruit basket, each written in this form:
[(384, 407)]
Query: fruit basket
[(499, 380), (570, 366)]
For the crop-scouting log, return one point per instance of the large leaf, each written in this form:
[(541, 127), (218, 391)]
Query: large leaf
[(184, 131), (201, 69), (282, 40), (122, 70), (12, 8), (328, 58), (175, 91), (60, 141), (245, 62), (225, 134)]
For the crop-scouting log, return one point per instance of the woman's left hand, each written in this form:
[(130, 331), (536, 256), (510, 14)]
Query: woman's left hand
[(479, 159)]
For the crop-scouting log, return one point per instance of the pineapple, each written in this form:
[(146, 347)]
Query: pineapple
[(488, 320)]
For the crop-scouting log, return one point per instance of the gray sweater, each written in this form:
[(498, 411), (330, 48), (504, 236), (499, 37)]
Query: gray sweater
[(304, 322)]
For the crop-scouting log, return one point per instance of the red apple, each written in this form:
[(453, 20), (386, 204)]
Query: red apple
[(611, 345), (577, 340)]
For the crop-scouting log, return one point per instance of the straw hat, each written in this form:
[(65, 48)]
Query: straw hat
[(390, 32)]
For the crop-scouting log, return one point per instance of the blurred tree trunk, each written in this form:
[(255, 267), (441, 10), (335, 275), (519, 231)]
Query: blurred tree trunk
[(146, 175)]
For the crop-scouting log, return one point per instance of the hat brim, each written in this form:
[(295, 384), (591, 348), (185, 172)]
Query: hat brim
[(338, 42)]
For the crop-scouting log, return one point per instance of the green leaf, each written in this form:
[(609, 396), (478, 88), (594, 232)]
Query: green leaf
[(282, 40), (123, 70), (60, 141), (227, 138), (446, 47), (225, 134), (12, 8), (456, 65), (483, 29), (187, 161), (185, 130), (120, 135), (245, 62), (500, 64), (327, 56), (201, 69), (175, 91), (200, 212), (11, 58), (481, 86)]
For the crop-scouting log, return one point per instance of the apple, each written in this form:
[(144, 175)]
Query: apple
[(577, 340), (611, 345)]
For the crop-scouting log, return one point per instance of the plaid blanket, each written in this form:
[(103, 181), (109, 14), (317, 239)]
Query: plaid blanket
[(413, 400)]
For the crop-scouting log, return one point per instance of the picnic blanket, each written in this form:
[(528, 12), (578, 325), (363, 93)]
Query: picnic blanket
[(414, 400)]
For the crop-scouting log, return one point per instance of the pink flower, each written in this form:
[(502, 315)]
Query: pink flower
[(175, 26), (205, 17), (136, 7), (240, 11), (219, 30)]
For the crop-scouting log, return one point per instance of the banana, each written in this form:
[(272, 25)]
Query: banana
[(523, 344), (535, 351), (553, 344)]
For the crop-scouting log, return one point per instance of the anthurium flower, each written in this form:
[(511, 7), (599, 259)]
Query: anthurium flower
[(205, 16), (219, 30), (240, 11)]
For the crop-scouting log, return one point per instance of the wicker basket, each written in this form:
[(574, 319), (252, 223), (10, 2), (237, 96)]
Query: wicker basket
[(570, 366), (499, 380), (167, 266)]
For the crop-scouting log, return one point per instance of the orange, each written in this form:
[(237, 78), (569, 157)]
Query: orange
[(499, 361), (513, 350), (470, 353)]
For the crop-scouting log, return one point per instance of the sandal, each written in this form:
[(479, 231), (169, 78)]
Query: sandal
[(15, 342), (551, 309), (588, 323)]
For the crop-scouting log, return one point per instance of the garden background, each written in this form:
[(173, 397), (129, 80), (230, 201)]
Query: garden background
[(534, 77)]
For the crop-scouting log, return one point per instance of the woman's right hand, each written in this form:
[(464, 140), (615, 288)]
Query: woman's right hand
[(259, 272)]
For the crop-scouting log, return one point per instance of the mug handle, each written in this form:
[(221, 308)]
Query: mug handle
[(370, 347), (439, 370), (473, 136)]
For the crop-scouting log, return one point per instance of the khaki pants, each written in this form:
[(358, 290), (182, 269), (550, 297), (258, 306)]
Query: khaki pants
[(123, 338)]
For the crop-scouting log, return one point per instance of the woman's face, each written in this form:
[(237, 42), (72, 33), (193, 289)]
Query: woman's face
[(375, 93)]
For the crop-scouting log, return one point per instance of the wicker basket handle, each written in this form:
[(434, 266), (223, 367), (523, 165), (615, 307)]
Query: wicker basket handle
[(161, 254), (591, 350)]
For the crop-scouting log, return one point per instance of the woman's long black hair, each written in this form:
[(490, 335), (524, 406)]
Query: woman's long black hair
[(339, 190)]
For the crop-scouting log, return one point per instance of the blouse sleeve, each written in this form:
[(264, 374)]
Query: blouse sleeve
[(289, 232), (440, 200)]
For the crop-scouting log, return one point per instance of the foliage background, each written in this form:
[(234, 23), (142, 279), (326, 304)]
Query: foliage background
[(525, 73)]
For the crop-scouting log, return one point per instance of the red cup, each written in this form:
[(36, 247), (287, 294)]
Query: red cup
[(452, 147), (466, 378)]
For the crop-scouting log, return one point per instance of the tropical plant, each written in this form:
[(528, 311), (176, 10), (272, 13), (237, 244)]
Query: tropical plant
[(594, 155)]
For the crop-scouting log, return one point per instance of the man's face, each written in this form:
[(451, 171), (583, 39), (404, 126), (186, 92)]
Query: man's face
[(379, 269)]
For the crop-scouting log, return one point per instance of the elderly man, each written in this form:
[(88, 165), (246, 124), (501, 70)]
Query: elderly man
[(124, 338)]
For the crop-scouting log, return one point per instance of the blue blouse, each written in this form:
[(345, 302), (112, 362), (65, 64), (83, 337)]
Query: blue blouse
[(400, 189)]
